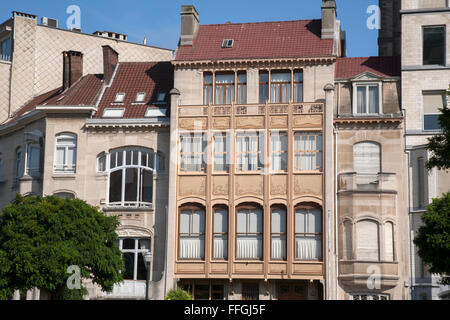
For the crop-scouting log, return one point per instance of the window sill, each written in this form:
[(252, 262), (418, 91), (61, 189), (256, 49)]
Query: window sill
[(64, 176), (127, 209)]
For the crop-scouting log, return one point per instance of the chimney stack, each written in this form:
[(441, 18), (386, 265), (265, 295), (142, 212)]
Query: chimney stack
[(72, 68), (329, 15), (189, 25), (110, 61)]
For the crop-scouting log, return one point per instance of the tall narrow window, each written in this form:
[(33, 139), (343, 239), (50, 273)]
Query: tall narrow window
[(348, 240), (434, 45), (66, 153), (33, 159), (308, 151), (225, 88), (220, 233), (368, 243), (192, 233), (389, 241), (19, 163), (367, 158), (279, 232), (134, 251), (5, 49), (367, 99), (242, 88), (221, 152), (249, 233), (433, 102), (279, 142), (249, 151), (298, 86), (421, 182), (308, 233), (193, 147), (207, 88), (281, 87), (263, 86)]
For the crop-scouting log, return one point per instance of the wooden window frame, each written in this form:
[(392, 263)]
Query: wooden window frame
[(192, 208), (225, 135), (208, 88), (264, 86), (259, 153), (301, 82), (308, 207), (241, 86), (249, 207), (316, 134), (202, 154), (280, 152), (214, 233), (272, 208), (225, 87), (282, 85)]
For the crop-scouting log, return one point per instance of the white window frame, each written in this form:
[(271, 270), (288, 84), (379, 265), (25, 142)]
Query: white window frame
[(140, 97), (355, 97), (33, 171), (136, 251), (66, 167), (185, 155), (120, 97), (370, 296)]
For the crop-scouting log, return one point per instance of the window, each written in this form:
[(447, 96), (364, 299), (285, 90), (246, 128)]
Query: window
[(66, 153), (220, 233), (140, 97), (120, 97), (192, 233), (207, 88), (263, 86), (131, 177), (155, 113), (101, 163), (204, 290), (249, 233), (65, 195), (367, 241), (225, 88), (281, 87), (348, 240), (19, 163), (370, 297), (249, 151), (308, 151), (5, 50), (1, 168), (389, 241), (434, 45), (279, 144), (367, 161), (298, 86), (433, 102), (308, 233), (242, 88), (367, 99), (193, 155), (421, 182), (279, 232), (160, 162), (134, 251), (221, 152), (250, 291), (227, 43), (161, 97), (33, 159), (113, 113)]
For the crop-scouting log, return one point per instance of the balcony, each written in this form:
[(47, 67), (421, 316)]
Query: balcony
[(377, 183)]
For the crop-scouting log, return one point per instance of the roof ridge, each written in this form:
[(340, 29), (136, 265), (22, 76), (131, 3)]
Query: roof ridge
[(257, 22)]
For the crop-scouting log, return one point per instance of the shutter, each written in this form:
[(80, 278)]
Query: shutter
[(433, 102), (367, 241)]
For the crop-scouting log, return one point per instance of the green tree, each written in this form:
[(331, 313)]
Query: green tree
[(41, 237), (178, 294)]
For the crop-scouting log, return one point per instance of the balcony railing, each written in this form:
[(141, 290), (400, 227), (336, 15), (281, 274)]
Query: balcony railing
[(367, 182)]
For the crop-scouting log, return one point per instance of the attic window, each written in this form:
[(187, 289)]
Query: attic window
[(120, 97), (227, 43), (152, 112), (161, 97), (113, 113), (140, 97)]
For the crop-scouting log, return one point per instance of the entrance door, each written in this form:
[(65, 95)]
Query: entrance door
[(293, 291)]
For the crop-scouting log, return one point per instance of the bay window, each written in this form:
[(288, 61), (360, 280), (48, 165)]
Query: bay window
[(249, 151), (221, 152), (225, 88), (279, 143), (133, 252), (193, 152), (367, 241), (66, 153), (308, 151), (367, 100), (308, 233), (279, 232), (220, 233), (192, 233), (249, 233), (367, 161)]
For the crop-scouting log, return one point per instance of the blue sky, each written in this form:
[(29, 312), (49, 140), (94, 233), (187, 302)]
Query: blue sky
[(159, 21)]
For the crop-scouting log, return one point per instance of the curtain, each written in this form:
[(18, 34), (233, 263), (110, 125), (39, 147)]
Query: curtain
[(221, 231), (389, 241), (308, 229), (361, 100), (242, 89), (308, 152), (220, 247), (248, 156), (367, 244), (249, 238), (192, 247), (224, 88), (374, 99), (220, 152), (249, 247), (308, 247), (279, 234), (367, 158), (192, 239), (279, 150), (281, 87)]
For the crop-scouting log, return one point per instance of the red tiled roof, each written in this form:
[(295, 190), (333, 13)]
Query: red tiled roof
[(347, 68), (83, 93), (284, 39), (132, 78)]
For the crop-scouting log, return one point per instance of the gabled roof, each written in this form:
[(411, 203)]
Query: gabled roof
[(262, 40), (132, 78), (386, 67)]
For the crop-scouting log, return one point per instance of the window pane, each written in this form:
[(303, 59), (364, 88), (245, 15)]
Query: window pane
[(431, 122), (315, 221), (367, 158), (374, 99), (300, 221), (131, 178), (198, 221), (60, 152), (361, 100), (255, 221), (367, 245), (120, 158), (185, 222), (128, 273), (115, 186), (278, 221), (144, 244), (147, 186), (389, 241), (141, 267), (242, 221), (129, 244), (221, 221), (433, 45)]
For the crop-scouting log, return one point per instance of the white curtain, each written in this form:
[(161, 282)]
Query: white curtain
[(221, 231), (308, 152), (225, 94), (374, 99), (308, 229), (249, 238), (308, 247), (281, 91), (220, 152), (279, 149), (367, 158), (367, 244), (192, 248), (247, 147), (389, 241), (279, 234), (249, 247), (192, 239), (361, 100), (192, 149)]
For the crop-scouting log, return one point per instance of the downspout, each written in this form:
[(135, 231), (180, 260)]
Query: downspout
[(336, 208)]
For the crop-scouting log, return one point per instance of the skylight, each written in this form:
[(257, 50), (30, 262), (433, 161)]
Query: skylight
[(120, 98), (227, 43), (140, 97), (113, 113), (153, 112), (161, 97)]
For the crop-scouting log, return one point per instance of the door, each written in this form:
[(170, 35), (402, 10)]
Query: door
[(292, 291)]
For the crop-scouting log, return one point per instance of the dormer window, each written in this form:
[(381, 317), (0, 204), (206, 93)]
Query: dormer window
[(227, 43), (120, 97), (161, 97), (140, 97), (367, 99), (113, 113)]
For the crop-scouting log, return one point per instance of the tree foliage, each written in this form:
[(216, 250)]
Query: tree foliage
[(433, 238), (178, 294), (40, 237)]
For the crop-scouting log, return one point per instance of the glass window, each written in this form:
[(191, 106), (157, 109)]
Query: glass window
[(220, 233), (113, 113), (33, 159), (101, 163), (140, 97), (367, 241), (134, 251), (249, 234), (367, 99), (281, 87), (192, 234), (433, 102), (308, 234), (221, 152), (19, 163), (421, 178), (279, 144), (5, 49), (279, 232), (193, 152), (298, 86), (131, 177), (308, 151), (120, 97), (66, 153), (263, 86), (207, 88), (250, 151), (367, 158), (242, 88), (389, 241), (434, 45), (225, 88)]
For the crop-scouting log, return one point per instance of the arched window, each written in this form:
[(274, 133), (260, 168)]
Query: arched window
[(220, 233), (131, 177), (65, 195), (368, 242), (308, 233), (389, 241), (192, 233), (367, 158), (19, 163), (249, 233), (279, 232), (66, 153), (348, 240)]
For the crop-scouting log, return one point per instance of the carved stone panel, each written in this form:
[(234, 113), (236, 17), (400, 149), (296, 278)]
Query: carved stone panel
[(279, 122), (220, 186), (221, 123), (250, 122), (249, 185), (278, 185), (192, 186), (308, 185), (308, 121), (193, 124)]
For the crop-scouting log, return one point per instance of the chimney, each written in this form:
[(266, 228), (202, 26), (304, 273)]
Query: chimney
[(72, 68), (189, 25), (110, 61), (329, 14)]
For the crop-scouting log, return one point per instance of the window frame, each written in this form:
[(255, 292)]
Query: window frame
[(432, 92), (5, 56), (357, 85), (357, 249), (281, 234), (227, 141), (380, 155), (226, 87), (249, 207), (140, 94), (260, 153), (444, 45), (241, 87), (33, 171), (222, 234), (208, 89), (309, 207), (203, 155), (299, 152), (66, 168), (136, 251), (282, 85), (120, 101), (192, 208), (282, 153), (264, 86)]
